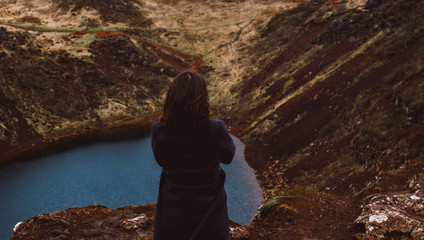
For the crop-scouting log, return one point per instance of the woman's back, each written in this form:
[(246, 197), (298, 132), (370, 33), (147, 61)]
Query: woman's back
[(192, 203), (187, 148)]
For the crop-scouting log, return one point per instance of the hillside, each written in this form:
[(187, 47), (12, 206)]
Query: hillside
[(335, 115), (327, 95)]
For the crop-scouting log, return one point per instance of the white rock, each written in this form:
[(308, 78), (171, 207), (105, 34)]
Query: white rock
[(378, 218), (16, 226), (415, 197)]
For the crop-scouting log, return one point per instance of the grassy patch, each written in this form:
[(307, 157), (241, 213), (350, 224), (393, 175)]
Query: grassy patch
[(413, 96), (347, 159), (331, 127), (308, 190)]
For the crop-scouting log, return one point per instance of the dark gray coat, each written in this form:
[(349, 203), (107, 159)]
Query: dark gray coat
[(192, 203)]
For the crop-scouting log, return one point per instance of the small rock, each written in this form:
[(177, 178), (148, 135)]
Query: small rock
[(16, 226), (239, 233), (135, 223)]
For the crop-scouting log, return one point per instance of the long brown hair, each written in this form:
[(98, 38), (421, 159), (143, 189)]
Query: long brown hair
[(186, 101)]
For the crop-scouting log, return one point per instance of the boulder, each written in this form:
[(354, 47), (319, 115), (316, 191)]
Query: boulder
[(393, 215), (100, 222)]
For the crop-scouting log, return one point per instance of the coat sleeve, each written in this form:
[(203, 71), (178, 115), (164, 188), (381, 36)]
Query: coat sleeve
[(226, 145), (156, 143)]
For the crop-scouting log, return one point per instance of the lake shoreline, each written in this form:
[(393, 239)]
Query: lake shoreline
[(102, 132), (99, 131)]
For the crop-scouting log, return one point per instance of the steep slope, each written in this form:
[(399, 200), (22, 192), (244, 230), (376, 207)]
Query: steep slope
[(338, 78), (336, 107)]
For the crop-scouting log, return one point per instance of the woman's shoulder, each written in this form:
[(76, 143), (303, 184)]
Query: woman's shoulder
[(156, 129), (217, 123), (218, 126)]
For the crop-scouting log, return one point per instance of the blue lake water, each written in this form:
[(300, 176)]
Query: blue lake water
[(110, 174)]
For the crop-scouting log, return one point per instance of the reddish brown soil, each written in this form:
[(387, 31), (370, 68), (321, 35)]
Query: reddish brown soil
[(292, 51), (322, 102), (331, 161), (308, 216)]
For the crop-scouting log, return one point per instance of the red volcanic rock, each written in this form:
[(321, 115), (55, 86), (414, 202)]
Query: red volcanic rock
[(99, 222), (393, 214), (92, 222)]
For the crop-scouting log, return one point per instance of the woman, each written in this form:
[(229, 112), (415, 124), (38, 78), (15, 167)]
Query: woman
[(192, 202)]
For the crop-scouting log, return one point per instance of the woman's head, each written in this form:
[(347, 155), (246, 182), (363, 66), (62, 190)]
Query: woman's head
[(186, 100)]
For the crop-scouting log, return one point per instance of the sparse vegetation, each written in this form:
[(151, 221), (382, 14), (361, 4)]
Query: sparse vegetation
[(29, 19), (330, 127), (72, 88), (90, 23), (109, 10)]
